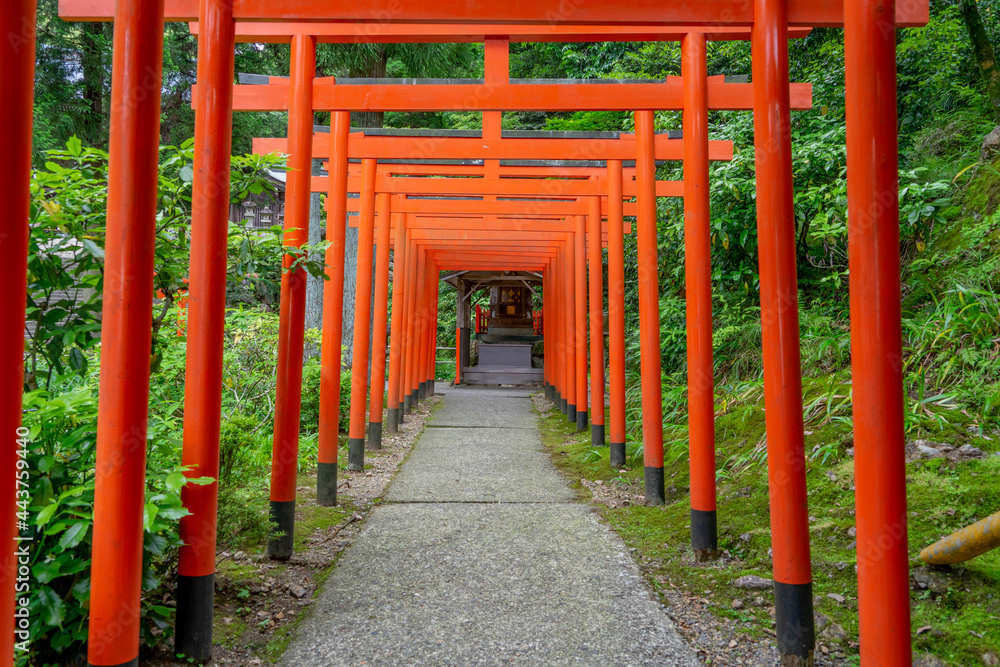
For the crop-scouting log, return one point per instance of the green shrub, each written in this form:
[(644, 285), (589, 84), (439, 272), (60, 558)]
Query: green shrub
[(243, 517), (61, 442), (236, 444), (310, 398)]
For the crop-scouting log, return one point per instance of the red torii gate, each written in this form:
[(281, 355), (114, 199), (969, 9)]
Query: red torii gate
[(870, 51)]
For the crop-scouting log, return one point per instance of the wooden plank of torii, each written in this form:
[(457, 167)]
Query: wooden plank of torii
[(473, 95), (375, 32), (706, 13), (482, 223), (514, 208), (464, 148), (511, 187)]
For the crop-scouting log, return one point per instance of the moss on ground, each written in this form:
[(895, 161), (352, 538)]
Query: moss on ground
[(958, 619)]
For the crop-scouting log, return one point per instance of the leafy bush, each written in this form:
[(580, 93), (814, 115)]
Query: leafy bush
[(236, 443), (66, 252), (243, 517), (61, 450), (310, 398)]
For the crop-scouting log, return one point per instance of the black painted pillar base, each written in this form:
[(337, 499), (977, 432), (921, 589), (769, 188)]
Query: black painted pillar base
[(392, 420), (326, 484), (548, 391), (374, 435), (597, 435), (401, 416), (617, 454), (655, 494), (195, 606), (795, 624), (704, 535), (581, 420), (281, 542), (134, 662), (422, 391), (414, 399), (407, 406), (570, 413), (433, 387), (355, 454), (563, 405)]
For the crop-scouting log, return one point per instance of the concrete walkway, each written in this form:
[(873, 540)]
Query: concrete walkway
[(481, 556)]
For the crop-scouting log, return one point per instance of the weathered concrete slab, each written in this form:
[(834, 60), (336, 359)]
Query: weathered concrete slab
[(455, 464), (519, 575), (487, 585), (493, 409)]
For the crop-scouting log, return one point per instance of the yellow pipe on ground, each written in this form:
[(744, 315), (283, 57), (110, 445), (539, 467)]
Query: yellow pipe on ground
[(966, 544)]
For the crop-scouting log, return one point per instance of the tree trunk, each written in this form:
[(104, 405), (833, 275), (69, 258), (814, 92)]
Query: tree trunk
[(984, 53), (374, 69), (314, 285), (350, 281), (92, 49)]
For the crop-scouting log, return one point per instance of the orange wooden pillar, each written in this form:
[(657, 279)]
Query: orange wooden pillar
[(580, 314), (548, 331), (427, 351), (379, 323), (362, 318), (649, 309), (616, 314), (435, 308), (425, 337), (698, 287), (399, 268), (876, 346), (569, 278), (206, 328), (419, 326), (780, 331), (332, 355), (414, 266), (596, 264), (17, 68), (545, 368), (554, 349), (430, 332), (291, 332), (126, 333)]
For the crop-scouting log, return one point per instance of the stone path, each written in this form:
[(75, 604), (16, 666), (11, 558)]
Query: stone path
[(481, 556)]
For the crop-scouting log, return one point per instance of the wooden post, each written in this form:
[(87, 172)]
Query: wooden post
[(332, 354), (698, 288), (649, 309), (126, 334), (362, 318), (616, 313), (580, 314), (596, 264), (206, 328), (876, 338), (291, 332), (780, 332), (398, 311), (380, 323), (570, 287), (17, 77)]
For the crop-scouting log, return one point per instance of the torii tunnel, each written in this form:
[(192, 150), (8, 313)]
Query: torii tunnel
[(547, 204)]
